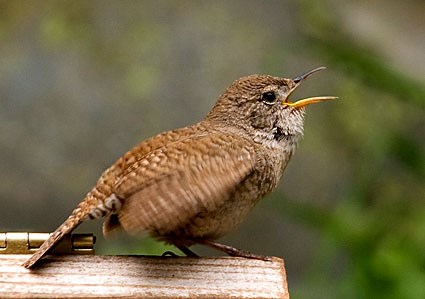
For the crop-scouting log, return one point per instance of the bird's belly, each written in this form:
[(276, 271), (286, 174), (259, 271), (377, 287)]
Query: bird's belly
[(225, 218), (212, 225)]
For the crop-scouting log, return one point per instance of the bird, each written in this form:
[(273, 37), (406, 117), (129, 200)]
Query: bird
[(196, 184)]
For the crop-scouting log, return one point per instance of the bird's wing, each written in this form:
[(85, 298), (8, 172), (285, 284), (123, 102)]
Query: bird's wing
[(170, 185)]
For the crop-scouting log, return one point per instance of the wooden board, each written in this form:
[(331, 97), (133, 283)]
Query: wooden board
[(73, 276)]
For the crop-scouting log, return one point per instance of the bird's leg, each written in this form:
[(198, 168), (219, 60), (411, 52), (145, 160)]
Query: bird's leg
[(187, 251), (232, 251)]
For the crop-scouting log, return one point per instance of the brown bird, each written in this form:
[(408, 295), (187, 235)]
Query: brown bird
[(195, 184)]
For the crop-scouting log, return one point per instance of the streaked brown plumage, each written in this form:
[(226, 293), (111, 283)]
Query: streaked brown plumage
[(195, 184)]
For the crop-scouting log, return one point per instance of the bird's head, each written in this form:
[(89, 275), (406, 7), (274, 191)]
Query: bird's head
[(260, 105)]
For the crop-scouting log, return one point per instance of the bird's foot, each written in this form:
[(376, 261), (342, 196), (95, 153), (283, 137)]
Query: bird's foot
[(169, 253), (232, 251)]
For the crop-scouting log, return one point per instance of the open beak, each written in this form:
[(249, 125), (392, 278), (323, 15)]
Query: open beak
[(306, 101)]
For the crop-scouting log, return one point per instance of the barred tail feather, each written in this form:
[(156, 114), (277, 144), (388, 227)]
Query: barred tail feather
[(65, 228), (92, 207), (78, 215)]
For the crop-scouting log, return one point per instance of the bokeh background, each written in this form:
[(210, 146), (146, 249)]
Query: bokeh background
[(83, 81)]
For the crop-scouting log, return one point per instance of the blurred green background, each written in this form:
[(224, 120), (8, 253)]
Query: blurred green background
[(81, 82)]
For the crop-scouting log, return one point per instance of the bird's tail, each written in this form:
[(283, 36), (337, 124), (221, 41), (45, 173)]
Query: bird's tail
[(91, 207), (77, 216), (99, 202), (64, 229)]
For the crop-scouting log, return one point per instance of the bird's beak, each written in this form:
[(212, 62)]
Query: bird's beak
[(306, 101)]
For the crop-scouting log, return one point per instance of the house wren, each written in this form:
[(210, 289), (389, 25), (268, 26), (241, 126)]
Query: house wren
[(195, 184)]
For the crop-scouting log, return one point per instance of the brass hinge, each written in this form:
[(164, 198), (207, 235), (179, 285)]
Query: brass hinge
[(28, 243)]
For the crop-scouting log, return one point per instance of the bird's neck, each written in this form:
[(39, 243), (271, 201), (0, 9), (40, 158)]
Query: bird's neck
[(278, 140)]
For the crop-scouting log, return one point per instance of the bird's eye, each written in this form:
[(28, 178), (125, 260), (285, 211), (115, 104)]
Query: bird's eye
[(269, 97)]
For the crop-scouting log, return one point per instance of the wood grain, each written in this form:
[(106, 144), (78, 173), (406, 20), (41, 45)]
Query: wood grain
[(74, 276)]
